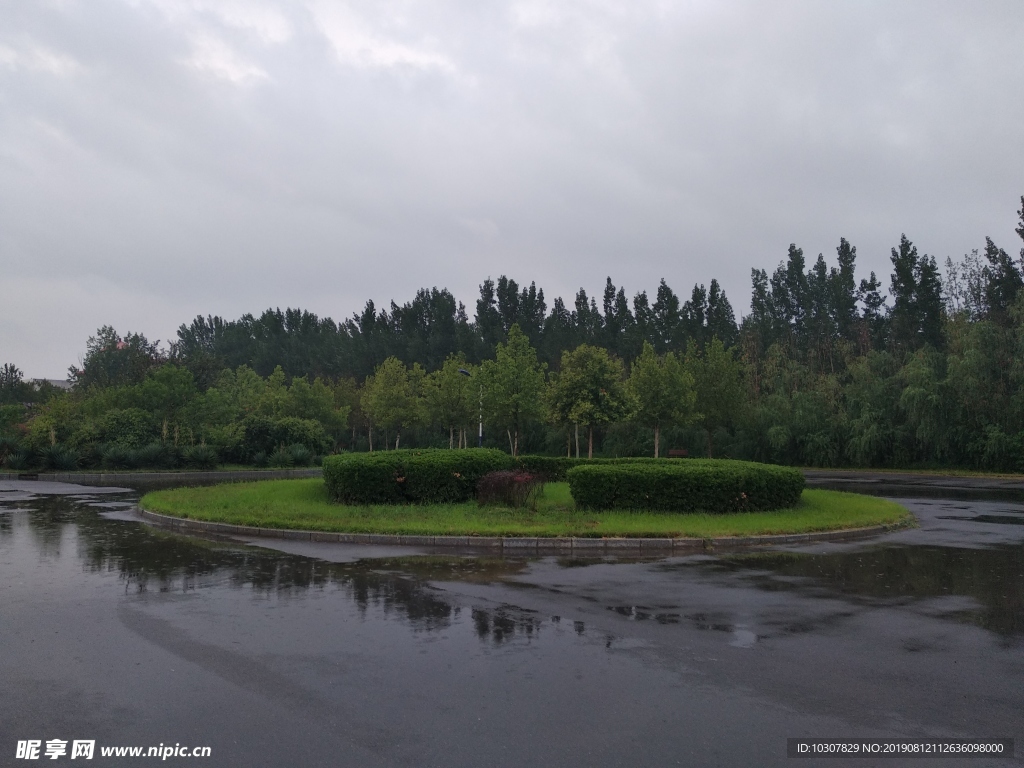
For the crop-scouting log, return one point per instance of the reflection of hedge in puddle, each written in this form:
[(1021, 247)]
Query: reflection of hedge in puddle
[(304, 505)]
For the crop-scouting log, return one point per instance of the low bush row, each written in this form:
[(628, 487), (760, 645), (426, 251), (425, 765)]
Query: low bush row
[(157, 455), (446, 476), (553, 468), (65, 458), (426, 476), (693, 485), (252, 440)]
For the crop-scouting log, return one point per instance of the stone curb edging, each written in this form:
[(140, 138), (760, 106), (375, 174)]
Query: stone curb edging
[(172, 476), (518, 545)]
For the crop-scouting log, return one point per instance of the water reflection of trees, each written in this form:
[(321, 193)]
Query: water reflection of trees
[(505, 622), (149, 559), (993, 576)]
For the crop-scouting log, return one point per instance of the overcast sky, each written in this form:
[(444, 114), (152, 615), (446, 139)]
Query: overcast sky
[(163, 159)]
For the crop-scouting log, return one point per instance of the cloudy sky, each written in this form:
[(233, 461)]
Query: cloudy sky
[(161, 159)]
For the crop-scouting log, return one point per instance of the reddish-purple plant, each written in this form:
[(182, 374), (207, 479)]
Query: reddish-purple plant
[(508, 488)]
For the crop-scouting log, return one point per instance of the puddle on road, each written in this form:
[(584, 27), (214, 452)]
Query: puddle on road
[(149, 559), (153, 560), (998, 519), (993, 577)]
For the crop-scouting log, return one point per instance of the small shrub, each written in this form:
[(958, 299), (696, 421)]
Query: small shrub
[(20, 459), (200, 457), (262, 434), (694, 485), (301, 455), (282, 457), (8, 445), (131, 427), (117, 456), (429, 476), (157, 455), (59, 457), (510, 488), (261, 460)]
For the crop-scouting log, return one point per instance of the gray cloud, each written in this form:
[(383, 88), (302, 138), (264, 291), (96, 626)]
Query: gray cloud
[(162, 159)]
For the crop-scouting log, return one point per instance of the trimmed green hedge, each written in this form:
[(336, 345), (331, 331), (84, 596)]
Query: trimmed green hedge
[(553, 468), (429, 476), (693, 485)]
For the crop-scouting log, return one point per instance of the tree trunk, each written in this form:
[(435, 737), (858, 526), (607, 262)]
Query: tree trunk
[(451, 437), (657, 436), (577, 441), (709, 443), (515, 448), (590, 443), (398, 437), (568, 444), (369, 431), (511, 445)]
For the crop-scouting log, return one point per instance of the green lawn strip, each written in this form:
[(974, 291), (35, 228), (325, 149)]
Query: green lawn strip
[(303, 504)]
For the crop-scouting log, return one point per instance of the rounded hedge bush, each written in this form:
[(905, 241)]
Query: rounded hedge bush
[(553, 468), (429, 476), (690, 485)]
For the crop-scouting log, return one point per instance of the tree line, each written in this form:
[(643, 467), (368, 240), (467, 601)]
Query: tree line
[(828, 368)]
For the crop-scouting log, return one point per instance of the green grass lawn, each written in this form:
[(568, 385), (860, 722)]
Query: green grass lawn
[(303, 504)]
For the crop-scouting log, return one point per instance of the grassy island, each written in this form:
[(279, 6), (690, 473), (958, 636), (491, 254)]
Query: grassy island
[(305, 505)]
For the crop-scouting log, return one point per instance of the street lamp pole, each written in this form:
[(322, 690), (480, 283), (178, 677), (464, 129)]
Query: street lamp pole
[(480, 432)]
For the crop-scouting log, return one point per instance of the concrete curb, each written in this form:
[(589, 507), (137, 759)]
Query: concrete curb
[(170, 477), (514, 545)]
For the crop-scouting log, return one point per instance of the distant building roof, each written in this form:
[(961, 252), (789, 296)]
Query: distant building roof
[(58, 383)]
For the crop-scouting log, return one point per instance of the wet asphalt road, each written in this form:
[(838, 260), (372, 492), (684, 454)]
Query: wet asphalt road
[(332, 655)]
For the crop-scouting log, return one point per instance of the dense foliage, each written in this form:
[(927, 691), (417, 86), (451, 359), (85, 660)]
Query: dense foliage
[(410, 476), (698, 485), (826, 369)]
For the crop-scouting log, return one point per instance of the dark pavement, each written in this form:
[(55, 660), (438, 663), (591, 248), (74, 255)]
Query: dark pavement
[(324, 654)]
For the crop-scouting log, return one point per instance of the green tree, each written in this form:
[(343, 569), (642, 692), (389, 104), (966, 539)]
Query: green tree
[(13, 388), (111, 360), (589, 390), (451, 398), (718, 380), (316, 401), (347, 399), (874, 322), (513, 384), (1003, 282), (916, 317), (390, 397), (663, 392)]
